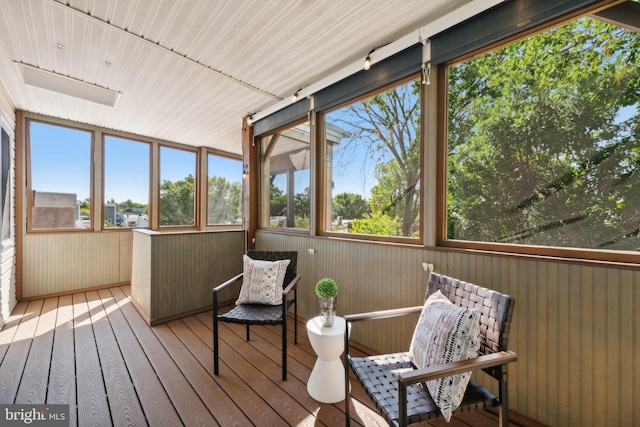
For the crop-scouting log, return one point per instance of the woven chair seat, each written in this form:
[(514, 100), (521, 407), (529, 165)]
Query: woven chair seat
[(261, 314), (385, 377), (378, 375), (255, 314)]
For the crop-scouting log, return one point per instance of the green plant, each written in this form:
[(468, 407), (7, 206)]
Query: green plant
[(326, 288)]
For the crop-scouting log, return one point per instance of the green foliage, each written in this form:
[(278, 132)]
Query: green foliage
[(278, 202), (177, 202), (326, 288), (390, 197), (388, 126), (301, 204), (349, 206), (377, 224), (127, 204), (543, 138), (224, 201)]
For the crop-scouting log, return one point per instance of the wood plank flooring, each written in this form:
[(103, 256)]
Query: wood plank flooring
[(94, 351)]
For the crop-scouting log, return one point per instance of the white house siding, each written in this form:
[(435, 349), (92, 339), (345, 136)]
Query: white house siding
[(7, 248)]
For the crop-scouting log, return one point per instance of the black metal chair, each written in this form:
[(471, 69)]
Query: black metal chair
[(397, 386), (259, 314)]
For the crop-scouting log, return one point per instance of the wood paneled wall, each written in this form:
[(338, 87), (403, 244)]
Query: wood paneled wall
[(64, 262), (576, 327), (174, 273)]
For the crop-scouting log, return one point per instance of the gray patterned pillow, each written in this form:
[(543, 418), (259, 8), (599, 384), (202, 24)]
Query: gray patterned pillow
[(262, 281), (445, 333)]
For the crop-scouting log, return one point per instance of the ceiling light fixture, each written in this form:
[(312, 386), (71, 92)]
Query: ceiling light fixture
[(296, 95), (59, 83), (60, 46), (107, 63), (367, 60)]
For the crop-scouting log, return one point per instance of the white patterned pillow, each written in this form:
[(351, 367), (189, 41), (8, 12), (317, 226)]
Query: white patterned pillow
[(262, 281), (445, 333)]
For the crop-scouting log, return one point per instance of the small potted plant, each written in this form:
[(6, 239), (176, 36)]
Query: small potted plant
[(327, 291)]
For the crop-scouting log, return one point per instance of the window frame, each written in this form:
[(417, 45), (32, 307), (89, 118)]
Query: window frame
[(322, 210), (29, 188), (103, 181), (196, 190), (212, 152), (10, 188), (264, 205), (552, 252)]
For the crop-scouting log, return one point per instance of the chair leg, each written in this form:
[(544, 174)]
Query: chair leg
[(247, 332), (284, 342), (347, 395), (503, 420), (215, 333), (295, 316)]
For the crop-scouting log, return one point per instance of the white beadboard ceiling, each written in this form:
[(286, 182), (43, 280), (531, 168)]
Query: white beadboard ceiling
[(189, 70)]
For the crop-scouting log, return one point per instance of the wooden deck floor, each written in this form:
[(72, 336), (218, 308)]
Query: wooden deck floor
[(94, 352)]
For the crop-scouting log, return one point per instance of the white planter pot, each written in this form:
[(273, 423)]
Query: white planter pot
[(327, 307)]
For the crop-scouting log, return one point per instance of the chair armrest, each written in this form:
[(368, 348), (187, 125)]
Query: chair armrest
[(291, 285), (383, 314), (448, 369), (228, 282)]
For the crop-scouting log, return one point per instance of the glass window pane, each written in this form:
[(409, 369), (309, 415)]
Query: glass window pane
[(60, 176), (543, 141), (373, 164), (285, 178), (126, 183), (224, 196), (177, 187)]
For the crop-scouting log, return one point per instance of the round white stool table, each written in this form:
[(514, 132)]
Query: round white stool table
[(326, 382)]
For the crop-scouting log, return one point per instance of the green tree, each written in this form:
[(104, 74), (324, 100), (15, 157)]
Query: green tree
[(543, 140), (85, 206), (177, 202), (387, 126), (301, 205), (131, 204), (278, 202), (349, 206), (389, 190), (377, 224), (224, 201)]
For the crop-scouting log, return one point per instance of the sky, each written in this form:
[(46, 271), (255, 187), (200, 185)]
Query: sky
[(61, 162)]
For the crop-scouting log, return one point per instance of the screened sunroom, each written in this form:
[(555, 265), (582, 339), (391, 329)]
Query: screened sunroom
[(147, 146)]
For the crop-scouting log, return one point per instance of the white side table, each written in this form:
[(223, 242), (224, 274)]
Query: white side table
[(326, 382)]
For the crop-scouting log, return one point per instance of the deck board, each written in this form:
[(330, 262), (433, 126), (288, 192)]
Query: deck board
[(91, 403), (33, 385), (155, 403), (186, 401), (177, 336), (11, 327), (123, 403), (247, 398), (62, 381), (15, 358), (94, 351)]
